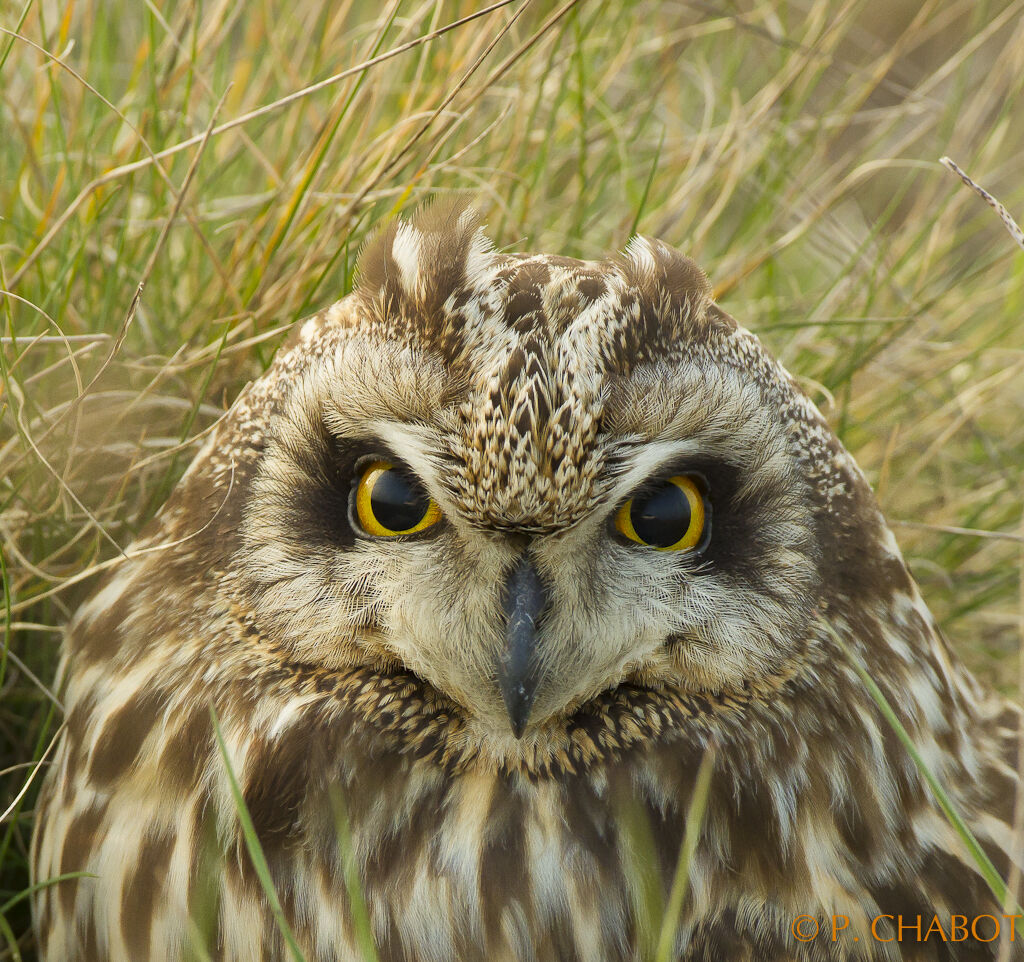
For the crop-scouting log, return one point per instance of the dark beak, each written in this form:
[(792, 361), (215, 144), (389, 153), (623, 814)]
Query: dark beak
[(518, 671)]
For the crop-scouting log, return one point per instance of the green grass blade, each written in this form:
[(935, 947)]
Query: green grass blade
[(357, 901), (39, 886), (681, 879), (252, 843), (984, 863)]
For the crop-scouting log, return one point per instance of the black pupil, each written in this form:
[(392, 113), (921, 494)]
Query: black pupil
[(396, 503), (662, 517)]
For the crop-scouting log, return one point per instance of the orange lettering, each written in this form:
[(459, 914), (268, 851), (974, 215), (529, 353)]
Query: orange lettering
[(874, 934), (836, 927), (974, 927), (798, 928), (916, 928), (958, 927), (935, 924)]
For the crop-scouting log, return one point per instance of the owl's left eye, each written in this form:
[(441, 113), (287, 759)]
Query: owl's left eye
[(671, 515), (389, 503)]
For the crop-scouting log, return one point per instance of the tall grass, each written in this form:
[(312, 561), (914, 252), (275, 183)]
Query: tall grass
[(228, 159)]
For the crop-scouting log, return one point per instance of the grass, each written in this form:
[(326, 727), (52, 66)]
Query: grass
[(229, 159), (252, 844), (666, 946), (988, 871)]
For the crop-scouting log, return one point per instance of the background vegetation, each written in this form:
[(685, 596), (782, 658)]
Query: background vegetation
[(232, 156)]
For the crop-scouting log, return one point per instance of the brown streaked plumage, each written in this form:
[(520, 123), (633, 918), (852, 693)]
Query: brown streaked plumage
[(495, 703)]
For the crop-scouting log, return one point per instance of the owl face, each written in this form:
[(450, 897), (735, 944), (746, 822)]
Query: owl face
[(528, 480)]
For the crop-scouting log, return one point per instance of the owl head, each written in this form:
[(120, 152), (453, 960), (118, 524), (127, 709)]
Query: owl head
[(528, 481)]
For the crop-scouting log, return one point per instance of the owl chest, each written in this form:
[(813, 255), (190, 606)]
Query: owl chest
[(486, 865), (458, 861), (490, 866)]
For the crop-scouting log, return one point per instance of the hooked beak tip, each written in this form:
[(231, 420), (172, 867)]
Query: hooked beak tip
[(518, 727), (518, 702), (518, 674)]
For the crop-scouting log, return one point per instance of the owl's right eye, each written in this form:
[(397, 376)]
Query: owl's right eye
[(389, 503), (671, 515)]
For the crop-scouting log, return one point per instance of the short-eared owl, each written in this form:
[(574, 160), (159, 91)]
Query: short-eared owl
[(471, 580)]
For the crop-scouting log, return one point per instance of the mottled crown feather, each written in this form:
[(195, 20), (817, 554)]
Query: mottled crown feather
[(418, 263), (535, 337), (437, 277)]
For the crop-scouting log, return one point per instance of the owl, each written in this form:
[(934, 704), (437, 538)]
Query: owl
[(422, 658)]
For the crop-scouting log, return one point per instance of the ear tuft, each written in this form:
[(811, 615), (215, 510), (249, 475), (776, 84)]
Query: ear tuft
[(652, 264), (420, 260)]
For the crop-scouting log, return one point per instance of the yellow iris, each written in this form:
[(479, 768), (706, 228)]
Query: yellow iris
[(389, 503), (669, 517)]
